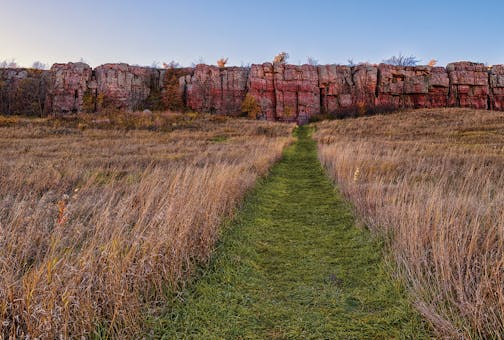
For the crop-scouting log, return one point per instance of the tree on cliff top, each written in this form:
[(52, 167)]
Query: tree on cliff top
[(222, 62), (8, 64), (281, 58), (401, 60), (38, 65)]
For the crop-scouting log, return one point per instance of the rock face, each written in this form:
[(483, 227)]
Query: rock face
[(296, 91), (411, 87), (261, 86), (23, 91), (344, 88), (283, 92), (69, 83), (216, 90), (468, 85), (497, 87), (125, 87)]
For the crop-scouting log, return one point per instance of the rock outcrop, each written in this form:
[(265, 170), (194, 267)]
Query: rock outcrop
[(261, 86), (125, 87), (283, 92), (344, 88), (216, 89), (296, 91), (411, 87), (468, 85), (68, 85), (497, 87)]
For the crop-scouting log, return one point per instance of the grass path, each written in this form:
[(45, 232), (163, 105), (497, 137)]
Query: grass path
[(293, 265)]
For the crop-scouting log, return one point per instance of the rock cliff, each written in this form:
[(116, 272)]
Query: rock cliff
[(283, 92)]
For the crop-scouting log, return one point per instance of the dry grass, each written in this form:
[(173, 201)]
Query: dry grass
[(100, 226), (432, 182)]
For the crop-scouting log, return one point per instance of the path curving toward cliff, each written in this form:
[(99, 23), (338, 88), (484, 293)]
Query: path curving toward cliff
[(293, 265)]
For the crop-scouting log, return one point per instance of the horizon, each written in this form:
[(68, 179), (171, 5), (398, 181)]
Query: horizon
[(199, 32)]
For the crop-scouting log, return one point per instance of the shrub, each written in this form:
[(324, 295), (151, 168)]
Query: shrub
[(171, 97), (222, 62), (401, 60), (250, 106), (281, 58)]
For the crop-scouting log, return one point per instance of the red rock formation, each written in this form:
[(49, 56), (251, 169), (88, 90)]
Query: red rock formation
[(216, 89), (261, 87), (67, 87), (497, 87), (347, 88), (439, 85), (296, 91), (121, 86), (468, 85), (411, 86), (285, 91)]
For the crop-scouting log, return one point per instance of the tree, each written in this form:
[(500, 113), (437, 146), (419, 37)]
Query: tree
[(312, 61), (222, 62), (250, 106), (281, 58), (171, 64), (401, 60), (39, 65), (171, 97), (432, 62), (8, 64)]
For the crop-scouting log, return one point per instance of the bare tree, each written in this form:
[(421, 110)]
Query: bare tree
[(39, 65), (401, 60), (312, 61), (8, 64)]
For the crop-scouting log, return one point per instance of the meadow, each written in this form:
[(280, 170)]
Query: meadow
[(104, 219), (431, 184)]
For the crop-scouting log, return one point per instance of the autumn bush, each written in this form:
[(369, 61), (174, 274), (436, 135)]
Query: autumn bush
[(430, 182), (101, 227), (250, 106)]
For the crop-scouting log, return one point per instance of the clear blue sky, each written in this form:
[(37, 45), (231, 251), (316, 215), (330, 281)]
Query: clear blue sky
[(143, 31)]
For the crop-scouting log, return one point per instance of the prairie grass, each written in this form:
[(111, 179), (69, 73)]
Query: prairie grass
[(432, 182), (102, 224)]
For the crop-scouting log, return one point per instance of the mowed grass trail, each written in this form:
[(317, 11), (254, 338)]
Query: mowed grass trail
[(294, 266)]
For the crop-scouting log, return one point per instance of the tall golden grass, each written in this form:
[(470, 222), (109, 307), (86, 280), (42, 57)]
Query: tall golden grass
[(432, 182), (98, 227)]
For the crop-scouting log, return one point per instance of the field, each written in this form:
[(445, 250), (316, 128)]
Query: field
[(431, 183), (104, 220)]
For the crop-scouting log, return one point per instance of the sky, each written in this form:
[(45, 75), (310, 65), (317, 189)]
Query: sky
[(146, 31)]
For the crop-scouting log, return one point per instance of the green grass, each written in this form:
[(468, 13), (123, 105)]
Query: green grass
[(294, 266)]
